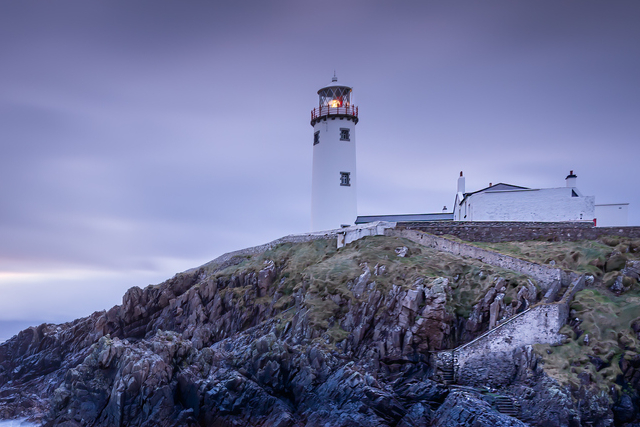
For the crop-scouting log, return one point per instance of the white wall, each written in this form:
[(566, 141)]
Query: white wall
[(333, 205), (544, 205), (612, 215)]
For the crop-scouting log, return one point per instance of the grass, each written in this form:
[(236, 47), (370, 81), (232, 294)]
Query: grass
[(583, 256), (325, 275), (606, 319)]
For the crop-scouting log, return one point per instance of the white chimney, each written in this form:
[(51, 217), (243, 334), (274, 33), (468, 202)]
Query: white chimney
[(461, 183), (571, 180)]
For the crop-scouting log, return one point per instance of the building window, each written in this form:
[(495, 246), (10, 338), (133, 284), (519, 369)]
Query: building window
[(316, 138), (345, 180), (574, 194), (344, 134)]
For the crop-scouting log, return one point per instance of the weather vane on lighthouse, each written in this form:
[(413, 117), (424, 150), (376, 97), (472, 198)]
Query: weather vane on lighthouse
[(333, 181)]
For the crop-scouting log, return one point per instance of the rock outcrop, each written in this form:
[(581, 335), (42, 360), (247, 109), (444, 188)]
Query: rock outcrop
[(302, 335)]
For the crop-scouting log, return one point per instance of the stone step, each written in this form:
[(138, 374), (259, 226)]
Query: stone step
[(506, 406)]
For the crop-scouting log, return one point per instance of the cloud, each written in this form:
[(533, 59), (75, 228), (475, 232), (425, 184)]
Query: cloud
[(140, 139)]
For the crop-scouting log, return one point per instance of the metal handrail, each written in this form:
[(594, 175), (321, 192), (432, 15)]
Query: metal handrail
[(330, 111)]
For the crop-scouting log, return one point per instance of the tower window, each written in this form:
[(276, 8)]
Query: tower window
[(345, 179), (316, 138), (574, 194), (344, 134)]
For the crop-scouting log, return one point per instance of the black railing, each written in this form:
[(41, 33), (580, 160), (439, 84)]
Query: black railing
[(351, 110)]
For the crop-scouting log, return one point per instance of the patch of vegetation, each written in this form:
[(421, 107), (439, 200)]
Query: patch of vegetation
[(605, 319), (327, 276), (584, 256), (337, 334)]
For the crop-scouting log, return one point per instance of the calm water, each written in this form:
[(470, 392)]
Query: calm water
[(16, 423)]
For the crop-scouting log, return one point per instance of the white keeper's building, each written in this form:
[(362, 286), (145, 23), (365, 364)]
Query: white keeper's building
[(506, 202)]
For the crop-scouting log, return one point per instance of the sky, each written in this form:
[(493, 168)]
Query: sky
[(140, 139)]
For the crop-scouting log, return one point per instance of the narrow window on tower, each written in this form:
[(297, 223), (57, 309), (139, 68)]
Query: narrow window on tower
[(344, 134), (345, 180), (316, 138)]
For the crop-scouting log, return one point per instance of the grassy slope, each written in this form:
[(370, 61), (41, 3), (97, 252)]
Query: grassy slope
[(606, 320), (582, 256), (605, 317), (323, 272)]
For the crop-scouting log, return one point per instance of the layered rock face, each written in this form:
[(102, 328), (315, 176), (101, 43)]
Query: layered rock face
[(302, 335)]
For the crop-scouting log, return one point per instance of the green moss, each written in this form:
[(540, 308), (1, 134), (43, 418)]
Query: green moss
[(326, 274), (337, 334), (607, 319), (583, 256)]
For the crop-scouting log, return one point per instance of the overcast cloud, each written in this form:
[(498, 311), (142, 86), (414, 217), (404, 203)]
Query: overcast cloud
[(140, 139)]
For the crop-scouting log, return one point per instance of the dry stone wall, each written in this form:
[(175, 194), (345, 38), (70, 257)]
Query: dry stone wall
[(545, 276), (488, 231)]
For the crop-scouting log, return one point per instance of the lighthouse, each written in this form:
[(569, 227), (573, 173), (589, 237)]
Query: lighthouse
[(333, 179)]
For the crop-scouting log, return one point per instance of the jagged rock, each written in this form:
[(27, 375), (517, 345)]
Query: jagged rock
[(403, 251), (632, 269), (362, 281), (462, 409), (419, 415), (266, 277), (379, 270), (494, 310), (252, 348), (433, 325), (618, 286), (625, 411)]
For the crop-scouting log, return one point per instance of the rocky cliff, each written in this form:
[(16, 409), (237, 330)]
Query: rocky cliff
[(302, 335)]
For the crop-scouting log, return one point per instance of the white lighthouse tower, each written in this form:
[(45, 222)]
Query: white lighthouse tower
[(333, 181)]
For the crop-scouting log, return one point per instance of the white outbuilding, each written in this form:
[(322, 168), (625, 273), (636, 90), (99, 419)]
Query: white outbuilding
[(506, 202), (333, 180)]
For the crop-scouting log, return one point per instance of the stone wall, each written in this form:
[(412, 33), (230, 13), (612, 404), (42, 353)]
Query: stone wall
[(520, 231), (351, 234), (538, 325), (486, 359), (545, 276)]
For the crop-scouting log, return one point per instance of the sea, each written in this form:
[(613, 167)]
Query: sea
[(16, 423)]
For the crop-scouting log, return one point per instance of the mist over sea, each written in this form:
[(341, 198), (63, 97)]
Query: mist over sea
[(9, 328), (16, 423)]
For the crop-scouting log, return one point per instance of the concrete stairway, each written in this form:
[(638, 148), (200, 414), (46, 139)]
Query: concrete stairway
[(507, 406), (449, 369)]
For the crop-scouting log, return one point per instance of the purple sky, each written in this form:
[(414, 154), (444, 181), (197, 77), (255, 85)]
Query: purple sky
[(144, 138)]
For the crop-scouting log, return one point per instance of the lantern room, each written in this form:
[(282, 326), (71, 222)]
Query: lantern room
[(334, 101), (335, 96)]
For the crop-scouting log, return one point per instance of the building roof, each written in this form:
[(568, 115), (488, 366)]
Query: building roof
[(445, 216), (501, 186)]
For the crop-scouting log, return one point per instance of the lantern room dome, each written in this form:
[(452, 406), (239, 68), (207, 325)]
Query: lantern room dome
[(334, 84)]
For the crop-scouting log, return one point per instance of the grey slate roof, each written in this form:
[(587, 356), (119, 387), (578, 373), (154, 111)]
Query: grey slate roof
[(501, 186), (406, 218)]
